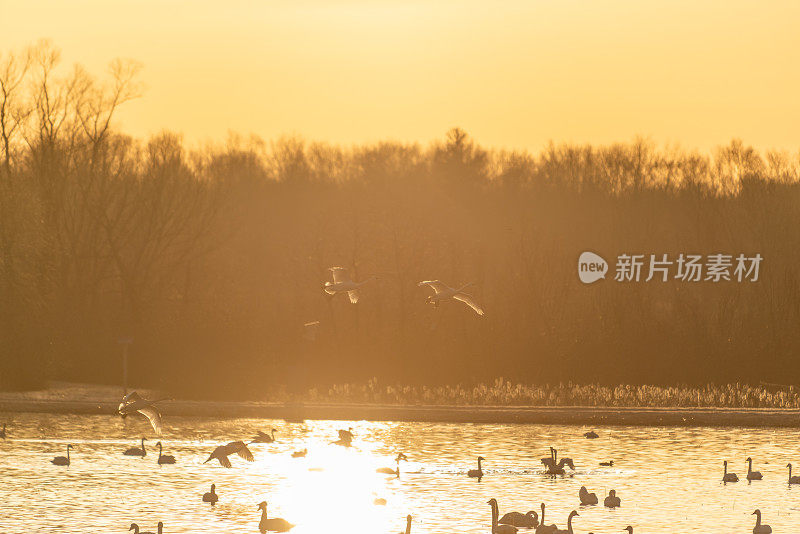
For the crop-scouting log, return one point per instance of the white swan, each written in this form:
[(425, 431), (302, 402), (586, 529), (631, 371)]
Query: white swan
[(586, 497), (444, 292), (343, 284), (497, 528), (752, 475), (211, 496), (728, 477), (62, 460), (275, 524), (389, 470), (612, 501), (569, 524), (545, 529), (222, 452), (133, 402), (477, 473), (759, 528), (164, 458), (792, 479), (136, 451)]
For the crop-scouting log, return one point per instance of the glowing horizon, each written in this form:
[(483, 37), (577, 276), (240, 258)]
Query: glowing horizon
[(513, 76)]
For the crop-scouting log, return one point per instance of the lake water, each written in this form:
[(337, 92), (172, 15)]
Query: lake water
[(669, 479)]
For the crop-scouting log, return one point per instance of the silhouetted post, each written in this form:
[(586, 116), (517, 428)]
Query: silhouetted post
[(125, 342)]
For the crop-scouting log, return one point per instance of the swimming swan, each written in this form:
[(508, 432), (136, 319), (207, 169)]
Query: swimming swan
[(62, 460), (136, 451), (263, 437), (300, 454), (164, 458), (586, 497), (554, 468), (389, 470), (408, 525), (343, 284), (477, 473), (135, 529), (591, 435), (759, 528), (3, 432), (276, 524), (569, 524), (211, 496), (497, 528), (545, 529), (728, 477), (345, 438), (444, 292), (612, 501), (518, 519), (792, 479), (752, 475), (222, 452)]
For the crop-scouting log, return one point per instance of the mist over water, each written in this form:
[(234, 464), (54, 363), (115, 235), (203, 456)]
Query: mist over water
[(669, 479)]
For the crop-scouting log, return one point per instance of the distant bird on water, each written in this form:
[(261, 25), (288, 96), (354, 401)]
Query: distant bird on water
[(164, 458), (136, 451), (345, 438), (496, 527), (263, 437), (3, 432), (389, 470), (477, 473), (518, 519), (728, 477), (133, 402), (587, 498), (275, 524), (343, 284), (609, 463), (211, 496), (612, 501), (62, 460), (752, 475), (591, 435), (444, 292), (300, 454), (135, 529), (760, 528), (222, 452), (792, 479)]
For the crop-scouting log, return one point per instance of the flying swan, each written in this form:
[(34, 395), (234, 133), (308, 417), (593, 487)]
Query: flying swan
[(444, 292)]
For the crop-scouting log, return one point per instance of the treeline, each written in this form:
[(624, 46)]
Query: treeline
[(212, 259)]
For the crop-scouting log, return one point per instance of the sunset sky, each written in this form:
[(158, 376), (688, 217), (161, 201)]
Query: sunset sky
[(514, 74)]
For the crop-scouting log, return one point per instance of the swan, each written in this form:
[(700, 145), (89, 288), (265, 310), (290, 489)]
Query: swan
[(164, 458), (612, 501), (408, 525), (545, 529), (569, 524), (262, 437), (389, 470), (759, 528), (222, 452), (554, 468), (160, 527), (609, 463), (300, 454), (586, 497), (345, 438), (752, 475), (518, 519), (629, 529), (133, 402), (135, 529), (591, 435), (728, 477), (136, 451), (3, 432), (276, 524), (62, 460), (792, 479), (477, 473), (443, 292), (497, 528), (211, 496), (343, 284)]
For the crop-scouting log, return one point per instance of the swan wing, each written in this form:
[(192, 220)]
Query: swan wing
[(241, 449), (223, 458), (353, 294), (155, 418), (469, 301), (339, 275), (438, 287)]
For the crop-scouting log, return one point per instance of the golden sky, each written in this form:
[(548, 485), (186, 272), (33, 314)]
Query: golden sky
[(514, 74)]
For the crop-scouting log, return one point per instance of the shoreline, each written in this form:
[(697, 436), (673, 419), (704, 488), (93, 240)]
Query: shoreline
[(567, 415)]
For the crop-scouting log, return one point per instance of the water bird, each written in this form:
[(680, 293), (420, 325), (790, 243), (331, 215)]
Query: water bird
[(300, 454), (275, 524), (728, 477), (591, 435), (569, 530), (62, 460), (752, 475), (389, 470), (135, 529), (263, 437), (444, 292), (554, 468), (379, 501), (545, 529), (408, 525), (612, 501), (629, 529), (792, 479), (477, 473), (133, 402), (222, 452), (164, 458), (610, 463), (496, 527), (518, 519), (586, 497), (211, 496), (3, 432), (136, 451), (759, 528), (343, 284), (345, 438)]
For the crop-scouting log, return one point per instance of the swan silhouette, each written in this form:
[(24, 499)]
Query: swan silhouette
[(545, 529), (612, 501), (728, 477), (759, 528), (389, 470), (586, 497), (345, 438), (792, 479), (444, 292), (408, 525), (477, 473), (3, 432), (498, 528), (275, 524), (136, 451), (554, 468), (569, 523), (263, 437), (62, 460), (752, 475), (211, 496), (300, 454), (133, 402), (222, 452), (591, 435), (164, 458), (518, 519)]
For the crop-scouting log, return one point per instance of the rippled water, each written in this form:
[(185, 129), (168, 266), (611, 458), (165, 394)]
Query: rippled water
[(668, 478)]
